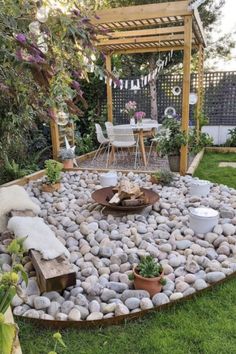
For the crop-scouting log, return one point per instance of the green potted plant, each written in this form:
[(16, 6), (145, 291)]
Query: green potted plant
[(163, 177), (67, 156), (170, 139), (148, 275), (53, 176)]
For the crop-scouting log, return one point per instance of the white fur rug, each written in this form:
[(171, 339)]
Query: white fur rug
[(14, 198), (39, 236)]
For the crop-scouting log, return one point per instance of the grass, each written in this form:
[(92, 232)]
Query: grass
[(204, 325), (209, 168)]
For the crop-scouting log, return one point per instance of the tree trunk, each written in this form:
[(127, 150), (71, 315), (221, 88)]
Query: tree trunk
[(153, 90)]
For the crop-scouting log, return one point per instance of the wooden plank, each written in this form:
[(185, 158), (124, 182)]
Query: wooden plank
[(141, 12), (155, 48), (10, 319), (55, 139), (141, 33), (220, 149), (26, 179), (137, 40), (186, 90), (200, 78), (56, 274), (199, 29), (195, 163), (109, 90)]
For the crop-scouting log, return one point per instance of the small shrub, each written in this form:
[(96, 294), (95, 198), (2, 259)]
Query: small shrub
[(164, 177), (53, 171), (196, 144), (231, 141)]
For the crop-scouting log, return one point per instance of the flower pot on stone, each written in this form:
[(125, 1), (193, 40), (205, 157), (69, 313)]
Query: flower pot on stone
[(67, 156), (53, 176), (148, 275), (50, 188), (174, 162)]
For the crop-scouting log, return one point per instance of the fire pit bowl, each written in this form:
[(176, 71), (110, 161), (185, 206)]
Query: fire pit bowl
[(103, 195)]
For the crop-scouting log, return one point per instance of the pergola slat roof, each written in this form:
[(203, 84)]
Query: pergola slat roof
[(151, 27)]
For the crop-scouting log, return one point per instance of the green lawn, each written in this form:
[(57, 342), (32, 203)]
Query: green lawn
[(204, 325), (208, 168)]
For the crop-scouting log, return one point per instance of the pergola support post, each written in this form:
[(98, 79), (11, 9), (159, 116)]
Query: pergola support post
[(200, 78), (186, 90), (55, 139), (109, 90)]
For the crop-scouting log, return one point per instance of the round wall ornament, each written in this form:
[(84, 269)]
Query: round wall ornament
[(192, 98), (176, 90), (170, 111)]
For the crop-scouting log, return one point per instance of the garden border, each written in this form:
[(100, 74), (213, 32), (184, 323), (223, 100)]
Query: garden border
[(117, 320)]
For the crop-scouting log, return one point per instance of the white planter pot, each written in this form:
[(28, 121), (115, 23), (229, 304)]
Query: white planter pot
[(108, 179), (200, 188), (203, 220)]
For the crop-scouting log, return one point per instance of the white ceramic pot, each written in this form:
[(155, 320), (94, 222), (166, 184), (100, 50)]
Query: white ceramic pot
[(203, 220), (108, 179), (200, 188)]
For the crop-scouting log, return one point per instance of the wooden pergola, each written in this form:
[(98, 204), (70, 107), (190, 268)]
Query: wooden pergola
[(154, 28)]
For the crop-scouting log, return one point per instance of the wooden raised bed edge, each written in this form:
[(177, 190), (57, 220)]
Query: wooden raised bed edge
[(195, 163)]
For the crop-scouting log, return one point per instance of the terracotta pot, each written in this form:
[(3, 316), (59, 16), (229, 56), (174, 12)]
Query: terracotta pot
[(152, 285), (50, 188), (154, 180), (68, 163)]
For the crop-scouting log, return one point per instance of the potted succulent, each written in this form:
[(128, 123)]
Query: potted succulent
[(163, 177), (67, 156), (148, 275), (170, 139), (53, 176)]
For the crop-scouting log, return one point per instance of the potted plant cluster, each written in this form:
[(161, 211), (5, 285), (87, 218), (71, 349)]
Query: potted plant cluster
[(53, 176), (148, 275), (67, 156), (170, 139), (164, 177)]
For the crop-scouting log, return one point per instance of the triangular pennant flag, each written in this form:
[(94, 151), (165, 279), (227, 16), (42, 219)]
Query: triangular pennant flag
[(145, 80), (121, 84), (138, 83), (132, 84), (166, 61), (110, 81), (105, 79), (126, 84)]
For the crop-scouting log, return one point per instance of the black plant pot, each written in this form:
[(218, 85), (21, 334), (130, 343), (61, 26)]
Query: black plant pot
[(174, 162)]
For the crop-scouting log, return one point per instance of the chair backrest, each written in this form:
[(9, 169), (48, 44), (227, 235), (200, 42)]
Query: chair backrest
[(100, 137), (110, 130), (124, 135)]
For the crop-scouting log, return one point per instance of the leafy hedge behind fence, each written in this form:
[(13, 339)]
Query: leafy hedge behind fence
[(219, 97)]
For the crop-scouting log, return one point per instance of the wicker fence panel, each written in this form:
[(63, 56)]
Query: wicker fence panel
[(219, 98)]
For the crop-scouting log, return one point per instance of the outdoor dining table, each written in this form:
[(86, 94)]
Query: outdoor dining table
[(142, 130)]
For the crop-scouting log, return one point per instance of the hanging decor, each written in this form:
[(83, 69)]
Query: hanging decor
[(62, 118), (129, 84), (170, 111), (176, 90), (193, 98)]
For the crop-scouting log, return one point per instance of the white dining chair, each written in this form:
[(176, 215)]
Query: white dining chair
[(122, 138), (104, 142)]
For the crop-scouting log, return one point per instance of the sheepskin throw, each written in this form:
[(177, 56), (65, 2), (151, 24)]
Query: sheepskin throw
[(39, 236), (14, 198)]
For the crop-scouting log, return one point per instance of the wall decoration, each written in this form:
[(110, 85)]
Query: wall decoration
[(176, 90), (193, 98)]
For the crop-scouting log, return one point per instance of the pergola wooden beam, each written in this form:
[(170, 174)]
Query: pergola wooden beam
[(200, 78), (142, 12), (186, 90), (155, 48), (142, 32), (109, 90)]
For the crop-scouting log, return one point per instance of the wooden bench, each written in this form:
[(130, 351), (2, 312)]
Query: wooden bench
[(56, 274)]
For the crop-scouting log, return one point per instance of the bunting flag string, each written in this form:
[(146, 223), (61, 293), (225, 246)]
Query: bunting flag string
[(131, 84)]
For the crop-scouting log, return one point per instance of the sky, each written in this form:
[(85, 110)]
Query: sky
[(228, 24)]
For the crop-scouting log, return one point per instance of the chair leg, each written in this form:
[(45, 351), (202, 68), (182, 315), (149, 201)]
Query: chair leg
[(97, 152), (108, 154), (136, 152), (150, 151)]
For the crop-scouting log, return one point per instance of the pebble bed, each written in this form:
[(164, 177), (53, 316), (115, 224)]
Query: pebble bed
[(104, 248)]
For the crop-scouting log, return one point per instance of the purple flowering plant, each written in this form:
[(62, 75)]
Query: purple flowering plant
[(140, 116), (130, 109)]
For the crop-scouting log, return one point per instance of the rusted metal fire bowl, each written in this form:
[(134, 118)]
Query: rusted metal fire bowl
[(103, 195)]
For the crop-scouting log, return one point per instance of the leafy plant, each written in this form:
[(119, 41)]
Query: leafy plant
[(164, 176), (53, 171), (9, 287), (170, 138), (149, 268), (203, 120), (197, 143), (231, 141), (66, 154)]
